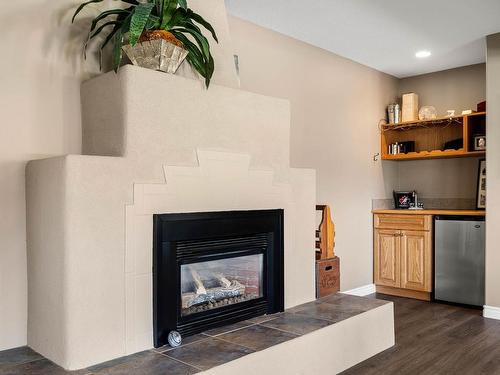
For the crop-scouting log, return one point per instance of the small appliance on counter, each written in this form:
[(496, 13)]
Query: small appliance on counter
[(407, 200)]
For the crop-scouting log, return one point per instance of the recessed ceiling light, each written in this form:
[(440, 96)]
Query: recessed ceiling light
[(423, 54)]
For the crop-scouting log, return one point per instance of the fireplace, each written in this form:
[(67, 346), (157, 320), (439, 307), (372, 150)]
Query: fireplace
[(215, 268)]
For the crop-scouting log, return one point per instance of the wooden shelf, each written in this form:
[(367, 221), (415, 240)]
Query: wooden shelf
[(429, 123), (436, 154), (430, 137)]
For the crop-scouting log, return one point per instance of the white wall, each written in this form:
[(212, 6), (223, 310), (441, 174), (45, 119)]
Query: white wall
[(493, 173)]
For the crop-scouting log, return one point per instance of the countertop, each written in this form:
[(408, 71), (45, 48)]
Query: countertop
[(433, 212)]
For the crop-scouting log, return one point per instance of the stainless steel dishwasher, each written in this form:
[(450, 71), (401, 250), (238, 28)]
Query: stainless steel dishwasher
[(459, 248)]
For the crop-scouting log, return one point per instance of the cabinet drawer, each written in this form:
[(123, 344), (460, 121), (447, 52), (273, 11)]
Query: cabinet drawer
[(403, 222)]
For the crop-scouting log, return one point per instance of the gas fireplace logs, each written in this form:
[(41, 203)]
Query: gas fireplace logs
[(200, 289), (227, 289), (223, 281)]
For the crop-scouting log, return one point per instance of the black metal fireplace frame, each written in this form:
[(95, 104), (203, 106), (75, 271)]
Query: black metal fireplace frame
[(198, 237)]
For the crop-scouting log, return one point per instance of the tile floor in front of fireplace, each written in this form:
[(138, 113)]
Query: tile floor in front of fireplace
[(209, 349)]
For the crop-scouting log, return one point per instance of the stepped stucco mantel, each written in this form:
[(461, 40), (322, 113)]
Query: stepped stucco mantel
[(153, 143)]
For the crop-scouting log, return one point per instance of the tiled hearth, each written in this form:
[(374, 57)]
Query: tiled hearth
[(211, 348)]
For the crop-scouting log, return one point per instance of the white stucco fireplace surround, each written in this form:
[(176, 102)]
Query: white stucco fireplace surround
[(170, 147)]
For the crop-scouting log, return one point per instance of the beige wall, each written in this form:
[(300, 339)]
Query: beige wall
[(458, 89), (336, 105), (493, 166), (39, 96), (41, 70), (441, 179)]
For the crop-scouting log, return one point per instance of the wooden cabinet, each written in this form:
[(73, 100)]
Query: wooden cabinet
[(416, 260), (403, 222), (387, 258), (402, 257)]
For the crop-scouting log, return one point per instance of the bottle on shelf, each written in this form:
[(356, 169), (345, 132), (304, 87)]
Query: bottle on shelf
[(394, 148)]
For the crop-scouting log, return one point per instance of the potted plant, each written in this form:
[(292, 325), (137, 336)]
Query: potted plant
[(157, 34)]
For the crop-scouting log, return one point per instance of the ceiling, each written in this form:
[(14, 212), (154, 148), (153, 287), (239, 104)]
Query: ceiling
[(384, 34)]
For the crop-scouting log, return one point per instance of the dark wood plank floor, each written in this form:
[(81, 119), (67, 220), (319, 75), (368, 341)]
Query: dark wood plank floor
[(434, 338)]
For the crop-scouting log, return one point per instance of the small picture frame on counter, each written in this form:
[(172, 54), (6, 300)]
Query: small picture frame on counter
[(481, 186)]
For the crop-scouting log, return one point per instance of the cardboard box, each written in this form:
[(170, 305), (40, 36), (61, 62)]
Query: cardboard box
[(410, 107)]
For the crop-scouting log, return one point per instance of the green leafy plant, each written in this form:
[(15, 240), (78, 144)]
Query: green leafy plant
[(137, 17)]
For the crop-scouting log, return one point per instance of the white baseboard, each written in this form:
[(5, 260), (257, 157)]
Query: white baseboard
[(491, 312), (362, 291)]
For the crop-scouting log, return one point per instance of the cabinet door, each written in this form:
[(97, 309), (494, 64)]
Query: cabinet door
[(416, 261), (387, 258)]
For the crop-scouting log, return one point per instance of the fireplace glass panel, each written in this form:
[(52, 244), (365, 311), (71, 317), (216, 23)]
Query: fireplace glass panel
[(218, 283)]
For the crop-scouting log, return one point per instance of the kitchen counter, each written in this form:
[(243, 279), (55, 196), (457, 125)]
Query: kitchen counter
[(433, 212)]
